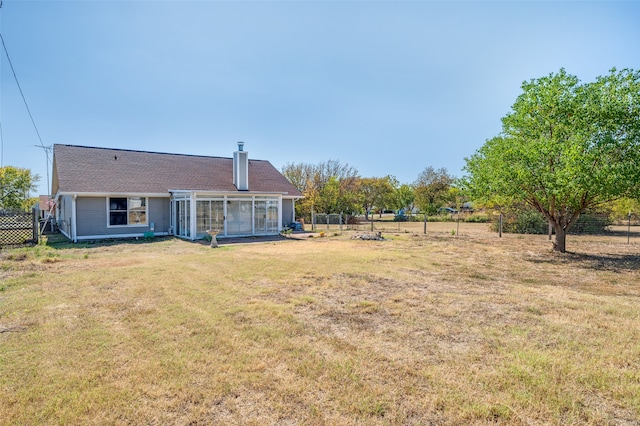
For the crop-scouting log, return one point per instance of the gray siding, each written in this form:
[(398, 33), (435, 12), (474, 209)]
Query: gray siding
[(159, 209), (287, 212), (64, 218), (92, 220), (92, 217)]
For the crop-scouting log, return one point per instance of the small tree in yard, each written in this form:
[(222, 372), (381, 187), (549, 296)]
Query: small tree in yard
[(564, 148), (16, 185)]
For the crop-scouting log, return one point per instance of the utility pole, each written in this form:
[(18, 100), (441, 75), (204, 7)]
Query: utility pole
[(47, 151)]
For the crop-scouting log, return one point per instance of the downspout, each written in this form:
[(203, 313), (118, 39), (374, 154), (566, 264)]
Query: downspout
[(74, 231)]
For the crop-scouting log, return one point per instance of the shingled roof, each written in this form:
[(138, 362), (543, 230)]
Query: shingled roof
[(83, 169)]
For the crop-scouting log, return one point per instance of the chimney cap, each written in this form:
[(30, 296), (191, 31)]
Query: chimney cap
[(240, 145)]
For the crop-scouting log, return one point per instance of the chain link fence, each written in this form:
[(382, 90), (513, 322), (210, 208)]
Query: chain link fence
[(465, 223)]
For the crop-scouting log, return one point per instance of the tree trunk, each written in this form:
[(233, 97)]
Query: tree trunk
[(560, 244)]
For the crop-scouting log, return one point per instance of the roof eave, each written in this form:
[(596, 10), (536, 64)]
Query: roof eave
[(122, 194)]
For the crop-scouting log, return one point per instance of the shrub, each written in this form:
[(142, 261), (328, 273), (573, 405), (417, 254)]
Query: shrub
[(590, 224), (400, 218), (477, 218), (533, 222), (352, 220), (525, 222)]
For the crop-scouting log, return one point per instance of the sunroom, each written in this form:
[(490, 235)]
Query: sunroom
[(193, 214)]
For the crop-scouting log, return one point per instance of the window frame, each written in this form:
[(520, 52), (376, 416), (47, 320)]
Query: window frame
[(128, 211)]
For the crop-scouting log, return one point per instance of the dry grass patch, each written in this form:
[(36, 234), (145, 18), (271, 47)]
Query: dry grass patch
[(412, 330)]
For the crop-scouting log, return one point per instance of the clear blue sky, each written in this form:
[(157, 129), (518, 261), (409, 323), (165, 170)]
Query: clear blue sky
[(387, 87)]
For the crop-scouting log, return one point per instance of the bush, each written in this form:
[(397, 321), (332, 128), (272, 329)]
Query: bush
[(533, 222), (525, 222), (477, 218), (441, 218), (352, 220), (590, 224), (408, 218)]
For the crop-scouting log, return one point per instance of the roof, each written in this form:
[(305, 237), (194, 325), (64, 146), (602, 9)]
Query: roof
[(83, 169)]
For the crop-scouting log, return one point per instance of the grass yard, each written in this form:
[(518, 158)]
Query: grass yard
[(414, 330)]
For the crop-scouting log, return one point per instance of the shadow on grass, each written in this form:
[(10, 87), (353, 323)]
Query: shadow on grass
[(60, 242), (609, 262), (601, 262)]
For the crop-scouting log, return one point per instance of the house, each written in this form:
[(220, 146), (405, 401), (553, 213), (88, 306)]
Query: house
[(118, 193)]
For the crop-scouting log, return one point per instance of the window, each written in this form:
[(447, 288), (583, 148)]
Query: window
[(209, 215), (130, 211)]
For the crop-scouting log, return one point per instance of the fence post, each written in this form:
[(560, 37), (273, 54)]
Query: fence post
[(425, 223), (629, 228), (313, 220), (500, 226), (340, 223), (34, 222)]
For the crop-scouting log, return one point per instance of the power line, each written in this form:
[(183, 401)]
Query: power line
[(20, 89), (15, 77), (1, 138), (1, 146)]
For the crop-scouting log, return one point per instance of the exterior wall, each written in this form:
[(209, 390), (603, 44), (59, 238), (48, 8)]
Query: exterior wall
[(288, 213), (64, 215), (92, 214), (159, 214)]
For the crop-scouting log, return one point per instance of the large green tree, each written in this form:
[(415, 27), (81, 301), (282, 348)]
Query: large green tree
[(565, 147), (377, 193), (624, 207), (16, 185), (328, 187), (432, 189), (404, 198)]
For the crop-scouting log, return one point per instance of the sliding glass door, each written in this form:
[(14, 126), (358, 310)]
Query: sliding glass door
[(209, 216), (183, 218), (239, 217)]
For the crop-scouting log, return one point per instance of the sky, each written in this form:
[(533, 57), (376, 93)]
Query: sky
[(388, 87)]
